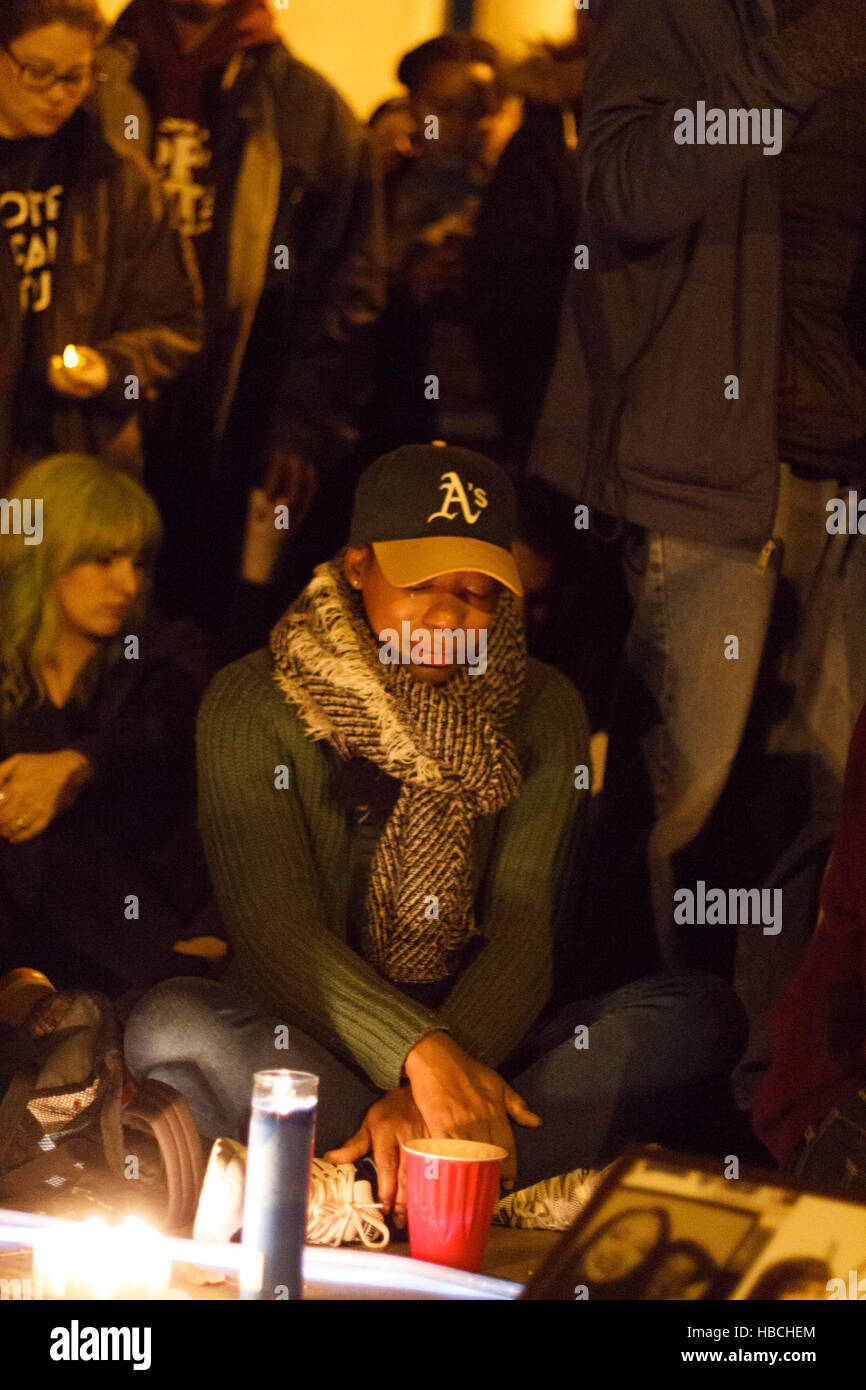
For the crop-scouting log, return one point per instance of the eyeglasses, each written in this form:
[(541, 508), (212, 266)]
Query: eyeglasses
[(39, 77)]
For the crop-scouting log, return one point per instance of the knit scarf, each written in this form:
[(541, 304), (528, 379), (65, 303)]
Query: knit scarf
[(179, 77), (444, 743)]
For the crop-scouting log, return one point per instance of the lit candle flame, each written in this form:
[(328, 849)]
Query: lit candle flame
[(99, 1261), (70, 357)]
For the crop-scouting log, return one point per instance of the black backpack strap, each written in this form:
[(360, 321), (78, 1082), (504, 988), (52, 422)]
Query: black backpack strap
[(160, 1110)]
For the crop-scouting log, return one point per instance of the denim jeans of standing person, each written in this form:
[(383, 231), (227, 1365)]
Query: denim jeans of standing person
[(690, 675), (688, 672), (640, 1064)]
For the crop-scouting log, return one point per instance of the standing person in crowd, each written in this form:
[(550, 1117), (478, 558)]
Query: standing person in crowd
[(811, 1108), (88, 259), (523, 251), (710, 395), (388, 826), (102, 880), (393, 133), (429, 378), (524, 242), (268, 172)]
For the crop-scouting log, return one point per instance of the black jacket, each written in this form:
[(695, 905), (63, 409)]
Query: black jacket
[(124, 283), (131, 830), (520, 262)]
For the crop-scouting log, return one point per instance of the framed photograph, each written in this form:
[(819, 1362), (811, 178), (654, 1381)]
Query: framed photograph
[(665, 1226)]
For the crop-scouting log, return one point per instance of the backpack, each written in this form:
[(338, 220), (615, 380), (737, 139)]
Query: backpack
[(63, 1074)]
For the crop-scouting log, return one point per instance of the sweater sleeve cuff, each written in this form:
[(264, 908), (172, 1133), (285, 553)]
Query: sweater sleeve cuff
[(391, 1054), (434, 1028)]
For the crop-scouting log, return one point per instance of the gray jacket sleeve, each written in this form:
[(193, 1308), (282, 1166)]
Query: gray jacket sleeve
[(650, 62)]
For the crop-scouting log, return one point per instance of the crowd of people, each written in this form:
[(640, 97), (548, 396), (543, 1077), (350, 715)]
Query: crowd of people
[(360, 486)]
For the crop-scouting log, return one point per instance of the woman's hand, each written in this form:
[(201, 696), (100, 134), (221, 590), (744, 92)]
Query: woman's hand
[(459, 1098), (393, 1120), (85, 377), (35, 787)]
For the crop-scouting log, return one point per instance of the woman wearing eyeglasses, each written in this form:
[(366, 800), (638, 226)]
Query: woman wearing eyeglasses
[(99, 297)]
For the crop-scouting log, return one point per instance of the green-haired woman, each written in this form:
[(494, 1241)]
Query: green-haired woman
[(97, 707)]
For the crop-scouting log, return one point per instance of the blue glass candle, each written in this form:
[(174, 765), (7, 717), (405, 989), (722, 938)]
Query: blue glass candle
[(282, 1130)]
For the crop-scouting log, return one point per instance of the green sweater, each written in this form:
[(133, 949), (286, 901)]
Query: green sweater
[(282, 858)]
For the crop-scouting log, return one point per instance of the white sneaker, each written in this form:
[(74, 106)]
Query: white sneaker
[(220, 1212), (340, 1209), (551, 1205)]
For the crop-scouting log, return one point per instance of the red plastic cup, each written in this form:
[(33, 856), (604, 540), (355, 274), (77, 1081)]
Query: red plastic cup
[(453, 1185)]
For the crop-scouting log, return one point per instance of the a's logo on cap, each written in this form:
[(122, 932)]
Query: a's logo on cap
[(455, 496)]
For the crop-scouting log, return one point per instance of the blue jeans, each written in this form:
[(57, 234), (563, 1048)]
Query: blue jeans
[(679, 710), (685, 693), (655, 1051)]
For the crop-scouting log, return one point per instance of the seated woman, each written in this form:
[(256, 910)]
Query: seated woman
[(811, 1108), (100, 874), (390, 799)]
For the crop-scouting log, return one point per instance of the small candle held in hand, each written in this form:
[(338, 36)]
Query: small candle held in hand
[(70, 356)]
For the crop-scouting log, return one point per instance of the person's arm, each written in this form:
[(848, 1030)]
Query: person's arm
[(159, 323), (342, 287), (499, 996), (146, 708), (646, 66), (257, 840), (819, 1027)]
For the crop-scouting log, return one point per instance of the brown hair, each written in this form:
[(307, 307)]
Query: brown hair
[(19, 17)]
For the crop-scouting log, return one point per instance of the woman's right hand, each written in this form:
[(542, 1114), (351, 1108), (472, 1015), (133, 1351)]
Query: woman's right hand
[(460, 1098)]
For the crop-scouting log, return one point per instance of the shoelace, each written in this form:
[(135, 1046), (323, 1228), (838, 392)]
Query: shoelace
[(554, 1202), (341, 1209)]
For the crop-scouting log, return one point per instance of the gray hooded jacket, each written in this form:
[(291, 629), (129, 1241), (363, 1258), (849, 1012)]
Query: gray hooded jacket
[(682, 289)]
